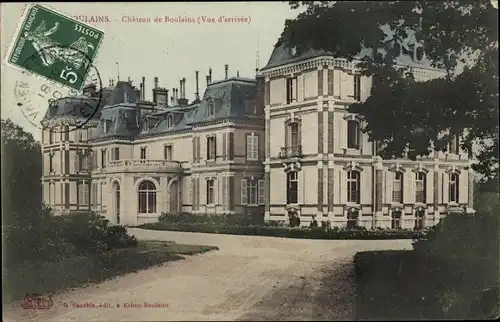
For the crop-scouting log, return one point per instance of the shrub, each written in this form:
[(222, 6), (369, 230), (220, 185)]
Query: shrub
[(91, 233)]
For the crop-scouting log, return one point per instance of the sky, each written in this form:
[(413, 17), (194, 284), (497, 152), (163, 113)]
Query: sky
[(169, 51)]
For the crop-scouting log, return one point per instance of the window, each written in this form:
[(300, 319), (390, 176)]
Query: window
[(250, 107), (117, 153), (167, 152), (420, 189), (211, 108), (83, 161), (116, 187), (252, 192), (291, 90), (51, 163), (419, 220), (211, 148), (51, 136), (170, 121), (292, 187), (83, 194), (396, 220), (210, 192), (103, 159), (143, 153), (353, 186), (454, 145), (147, 198), (397, 188), (252, 147), (453, 188), (352, 134), (79, 135), (352, 219), (294, 135), (357, 87)]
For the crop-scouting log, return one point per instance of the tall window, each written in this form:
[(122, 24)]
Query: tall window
[(454, 145), (211, 148), (453, 187), (294, 135), (210, 191), (420, 183), (103, 159), (352, 134), (143, 153), (117, 153), (211, 108), (353, 186), (117, 202), (147, 198), (83, 193), (167, 152), (419, 220), (170, 121), (357, 87), (396, 220), (291, 90), (292, 187), (51, 163), (252, 192), (352, 219), (83, 161), (51, 136), (397, 188), (252, 147)]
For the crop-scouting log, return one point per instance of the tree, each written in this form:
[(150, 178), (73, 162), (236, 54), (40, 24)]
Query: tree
[(21, 173), (407, 117)]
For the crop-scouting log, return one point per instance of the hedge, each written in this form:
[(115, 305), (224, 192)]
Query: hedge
[(287, 232)]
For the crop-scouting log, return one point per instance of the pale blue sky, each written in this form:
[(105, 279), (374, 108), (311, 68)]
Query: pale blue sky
[(169, 51)]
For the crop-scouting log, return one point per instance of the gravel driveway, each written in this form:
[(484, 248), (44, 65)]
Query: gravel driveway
[(249, 278)]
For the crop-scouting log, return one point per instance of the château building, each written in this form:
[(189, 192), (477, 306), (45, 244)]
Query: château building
[(280, 145)]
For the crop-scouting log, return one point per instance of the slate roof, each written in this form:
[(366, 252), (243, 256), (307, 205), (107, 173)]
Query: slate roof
[(282, 54), (118, 117)]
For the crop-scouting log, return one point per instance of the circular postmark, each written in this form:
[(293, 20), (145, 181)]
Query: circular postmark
[(67, 97)]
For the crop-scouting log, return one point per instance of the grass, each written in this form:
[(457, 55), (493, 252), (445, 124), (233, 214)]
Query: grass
[(43, 277)]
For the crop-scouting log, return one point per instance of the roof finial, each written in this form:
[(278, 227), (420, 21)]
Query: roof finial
[(237, 73), (257, 57), (118, 71)]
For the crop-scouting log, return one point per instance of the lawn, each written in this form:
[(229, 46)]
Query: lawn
[(42, 277)]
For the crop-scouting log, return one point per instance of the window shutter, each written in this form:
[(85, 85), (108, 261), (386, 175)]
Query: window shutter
[(262, 189), (349, 85), (194, 150), (215, 147), (112, 154), (256, 147), (463, 185), (77, 161), (231, 193), (224, 148), (231, 146), (208, 148), (389, 177), (445, 188), (244, 196), (193, 195), (249, 149)]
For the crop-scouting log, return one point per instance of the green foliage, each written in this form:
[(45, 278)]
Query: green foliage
[(223, 219), (289, 232), (409, 117)]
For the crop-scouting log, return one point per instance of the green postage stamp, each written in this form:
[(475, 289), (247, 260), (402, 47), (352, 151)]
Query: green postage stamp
[(54, 46)]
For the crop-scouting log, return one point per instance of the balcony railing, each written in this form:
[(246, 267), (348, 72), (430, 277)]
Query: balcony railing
[(290, 152), (138, 165)]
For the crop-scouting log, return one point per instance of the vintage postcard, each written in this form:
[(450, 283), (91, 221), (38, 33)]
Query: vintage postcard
[(194, 161)]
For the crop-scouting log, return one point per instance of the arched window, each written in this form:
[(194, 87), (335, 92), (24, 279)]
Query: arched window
[(147, 198), (420, 187), (292, 187), (397, 188), (352, 134), (353, 186), (453, 188)]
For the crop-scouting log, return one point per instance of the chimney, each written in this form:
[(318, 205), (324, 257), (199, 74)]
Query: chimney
[(137, 93), (141, 96), (197, 87), (156, 91), (208, 80), (173, 96), (156, 82), (183, 101), (183, 87), (227, 69), (210, 74), (166, 97), (180, 87), (172, 99), (143, 88)]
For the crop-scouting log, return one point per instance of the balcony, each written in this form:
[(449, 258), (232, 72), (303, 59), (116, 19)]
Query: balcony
[(290, 152), (144, 166)]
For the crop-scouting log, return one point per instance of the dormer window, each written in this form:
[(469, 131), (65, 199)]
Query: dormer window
[(170, 121), (211, 108)]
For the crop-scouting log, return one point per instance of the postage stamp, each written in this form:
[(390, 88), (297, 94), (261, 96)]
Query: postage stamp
[(54, 46), (42, 103)]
